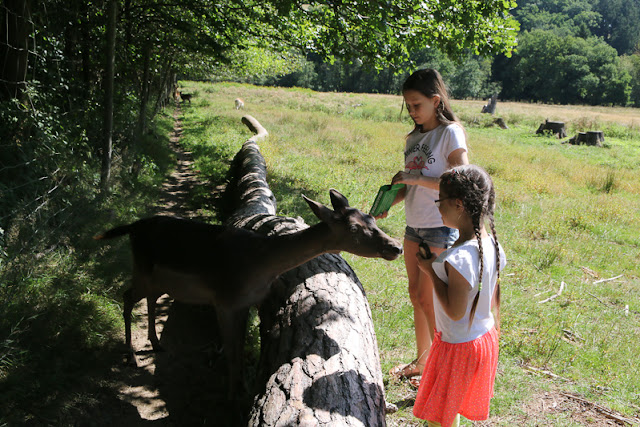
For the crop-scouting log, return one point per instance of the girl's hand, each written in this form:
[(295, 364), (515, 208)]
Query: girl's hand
[(402, 177), (382, 215), (425, 264)]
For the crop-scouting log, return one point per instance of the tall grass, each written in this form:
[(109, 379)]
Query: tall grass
[(565, 214)]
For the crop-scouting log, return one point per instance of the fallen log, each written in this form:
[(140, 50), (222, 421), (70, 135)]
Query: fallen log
[(319, 361)]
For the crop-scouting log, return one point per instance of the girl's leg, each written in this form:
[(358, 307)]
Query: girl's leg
[(456, 422), (421, 294)]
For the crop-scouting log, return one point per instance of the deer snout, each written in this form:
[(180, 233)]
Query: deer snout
[(392, 251)]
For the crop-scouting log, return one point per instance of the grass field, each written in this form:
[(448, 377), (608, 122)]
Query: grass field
[(566, 215)]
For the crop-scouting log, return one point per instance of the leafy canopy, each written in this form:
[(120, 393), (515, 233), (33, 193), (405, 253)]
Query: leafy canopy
[(378, 32)]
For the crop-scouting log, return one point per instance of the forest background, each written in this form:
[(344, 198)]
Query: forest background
[(83, 85)]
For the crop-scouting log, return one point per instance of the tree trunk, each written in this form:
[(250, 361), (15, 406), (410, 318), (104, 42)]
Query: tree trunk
[(166, 86), (144, 90), (15, 29), (107, 144), (319, 361)]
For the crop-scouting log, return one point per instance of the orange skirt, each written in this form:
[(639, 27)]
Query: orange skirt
[(458, 379)]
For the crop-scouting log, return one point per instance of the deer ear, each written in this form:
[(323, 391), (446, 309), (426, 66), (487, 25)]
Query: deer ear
[(321, 211), (339, 202)]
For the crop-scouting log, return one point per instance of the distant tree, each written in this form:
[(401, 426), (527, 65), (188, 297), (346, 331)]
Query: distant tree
[(620, 25), (616, 21), (467, 77), (551, 68), (472, 79), (632, 64), (565, 17)]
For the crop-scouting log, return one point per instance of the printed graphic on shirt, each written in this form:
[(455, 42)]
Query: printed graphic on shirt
[(418, 161)]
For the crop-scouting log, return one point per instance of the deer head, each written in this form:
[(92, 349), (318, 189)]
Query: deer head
[(353, 230)]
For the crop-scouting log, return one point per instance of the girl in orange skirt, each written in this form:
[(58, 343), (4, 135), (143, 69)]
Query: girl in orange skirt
[(460, 371)]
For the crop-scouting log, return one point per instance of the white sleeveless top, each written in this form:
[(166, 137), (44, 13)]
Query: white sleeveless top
[(465, 258)]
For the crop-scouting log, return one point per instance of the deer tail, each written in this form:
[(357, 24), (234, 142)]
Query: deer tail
[(115, 232)]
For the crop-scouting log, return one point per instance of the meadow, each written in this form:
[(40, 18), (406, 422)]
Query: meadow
[(566, 215)]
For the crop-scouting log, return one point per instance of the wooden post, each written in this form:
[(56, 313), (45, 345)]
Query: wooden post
[(319, 361)]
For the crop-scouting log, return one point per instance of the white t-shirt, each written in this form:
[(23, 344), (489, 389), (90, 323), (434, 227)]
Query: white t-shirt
[(465, 258), (427, 154)]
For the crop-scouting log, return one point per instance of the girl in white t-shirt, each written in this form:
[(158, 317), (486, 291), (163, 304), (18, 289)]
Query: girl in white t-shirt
[(436, 144), (461, 367)]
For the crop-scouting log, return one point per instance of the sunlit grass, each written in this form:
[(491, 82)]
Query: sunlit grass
[(565, 214)]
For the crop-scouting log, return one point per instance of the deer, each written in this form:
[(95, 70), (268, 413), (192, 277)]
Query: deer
[(239, 103), (233, 268), (185, 96)]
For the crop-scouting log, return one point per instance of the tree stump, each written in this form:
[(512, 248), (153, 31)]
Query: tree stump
[(501, 123), (319, 361), (553, 127), (490, 107), (593, 138)]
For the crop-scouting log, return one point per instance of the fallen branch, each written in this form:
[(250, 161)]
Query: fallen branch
[(604, 411), (545, 373), (607, 280), (599, 300), (562, 285), (626, 309)]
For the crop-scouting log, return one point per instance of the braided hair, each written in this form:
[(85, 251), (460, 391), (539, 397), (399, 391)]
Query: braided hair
[(429, 82), (474, 187)]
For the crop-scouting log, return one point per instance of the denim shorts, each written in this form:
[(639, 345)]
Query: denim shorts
[(439, 237)]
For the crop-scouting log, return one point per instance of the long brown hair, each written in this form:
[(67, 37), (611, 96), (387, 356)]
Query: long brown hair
[(429, 82), (474, 187)]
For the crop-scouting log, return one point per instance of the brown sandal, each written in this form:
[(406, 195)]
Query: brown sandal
[(415, 381), (407, 370)]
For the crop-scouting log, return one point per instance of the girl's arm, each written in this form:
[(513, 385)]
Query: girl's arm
[(456, 158), (495, 307), (453, 296)]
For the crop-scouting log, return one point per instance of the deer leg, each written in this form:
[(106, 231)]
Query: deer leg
[(129, 301), (151, 316), (233, 324)]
